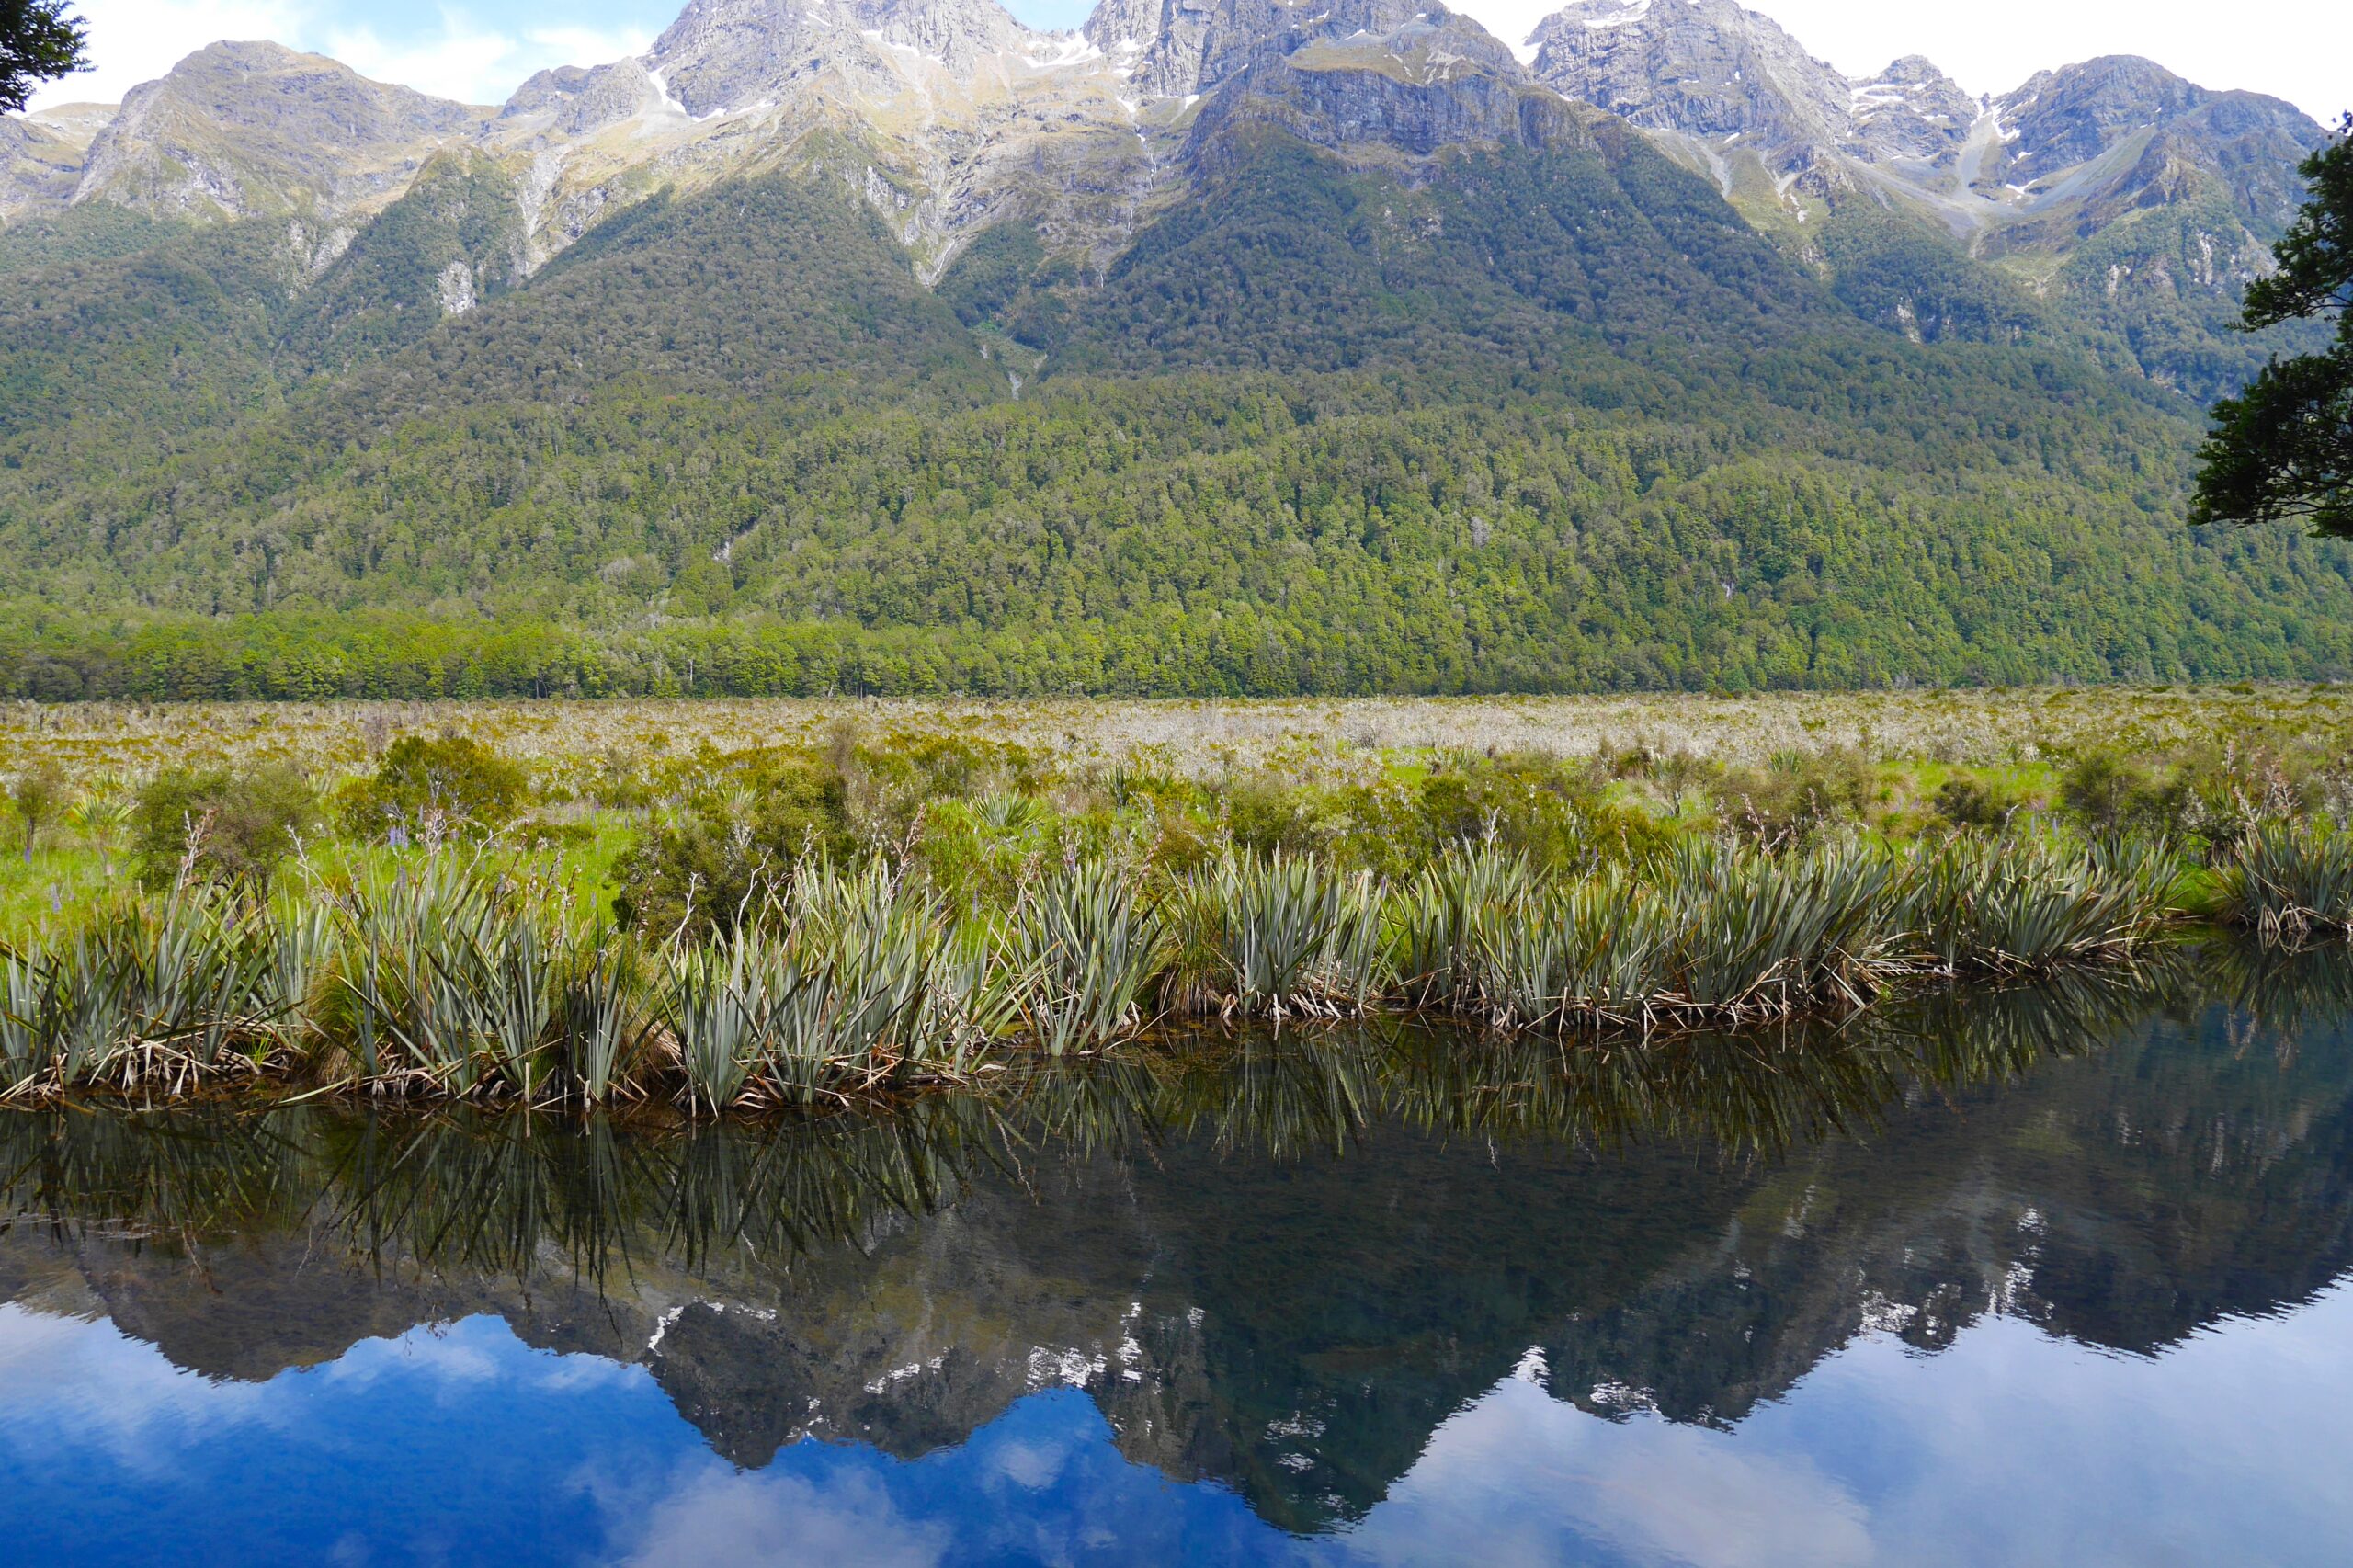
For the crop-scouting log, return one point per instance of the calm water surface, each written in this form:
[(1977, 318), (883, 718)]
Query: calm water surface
[(2056, 1275)]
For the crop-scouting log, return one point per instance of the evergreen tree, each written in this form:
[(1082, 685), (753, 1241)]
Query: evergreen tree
[(2283, 449)]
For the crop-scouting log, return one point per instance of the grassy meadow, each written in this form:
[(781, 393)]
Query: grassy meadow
[(747, 904)]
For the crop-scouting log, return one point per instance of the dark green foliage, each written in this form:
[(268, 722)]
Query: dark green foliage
[(1796, 796), (2179, 318), (40, 42), (1896, 275), (224, 826), (428, 785), (39, 794), (992, 272), (2283, 449), (2107, 792), (1972, 803), (92, 231), (734, 843), (103, 352), (1547, 810), (458, 227), (1322, 430)]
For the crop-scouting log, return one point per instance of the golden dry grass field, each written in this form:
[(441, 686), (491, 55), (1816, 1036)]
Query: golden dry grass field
[(1975, 728)]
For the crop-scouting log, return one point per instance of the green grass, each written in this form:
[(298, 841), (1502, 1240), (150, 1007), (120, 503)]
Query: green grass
[(742, 904), (460, 973)]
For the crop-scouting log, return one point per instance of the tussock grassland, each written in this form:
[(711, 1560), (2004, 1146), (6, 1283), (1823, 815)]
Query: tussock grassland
[(1977, 728), (741, 904)]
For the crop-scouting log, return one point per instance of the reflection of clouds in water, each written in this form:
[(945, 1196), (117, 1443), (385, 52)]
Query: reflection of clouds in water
[(449, 1354), (458, 1358), (706, 1513), (1031, 1466), (74, 1383), (2011, 1446), (1525, 1475)]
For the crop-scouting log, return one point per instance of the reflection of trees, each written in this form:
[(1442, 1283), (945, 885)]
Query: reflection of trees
[(1320, 1245), (488, 1191)]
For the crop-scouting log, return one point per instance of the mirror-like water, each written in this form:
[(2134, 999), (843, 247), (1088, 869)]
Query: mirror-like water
[(2046, 1276)]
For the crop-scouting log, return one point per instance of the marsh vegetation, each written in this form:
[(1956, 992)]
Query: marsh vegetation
[(411, 903)]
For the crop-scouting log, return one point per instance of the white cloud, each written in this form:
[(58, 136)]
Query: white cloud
[(1527, 1476), (460, 55), (706, 1512), (474, 63), (89, 1384), (2228, 1446), (136, 41)]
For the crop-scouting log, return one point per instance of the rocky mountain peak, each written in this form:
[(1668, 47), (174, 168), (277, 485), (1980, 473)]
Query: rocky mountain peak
[(726, 55), (241, 128), (1911, 109), (1180, 48), (42, 155), (1706, 69), (1372, 82)]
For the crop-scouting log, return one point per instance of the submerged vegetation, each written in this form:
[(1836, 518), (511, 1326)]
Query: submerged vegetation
[(877, 908)]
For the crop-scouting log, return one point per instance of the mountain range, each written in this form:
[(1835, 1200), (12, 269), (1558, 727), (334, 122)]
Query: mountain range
[(1218, 345)]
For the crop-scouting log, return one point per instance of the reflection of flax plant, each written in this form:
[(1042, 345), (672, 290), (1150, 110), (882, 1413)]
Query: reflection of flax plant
[(475, 1188)]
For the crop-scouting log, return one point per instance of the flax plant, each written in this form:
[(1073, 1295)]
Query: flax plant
[(1087, 943), (2289, 879), (2022, 904), (1290, 934)]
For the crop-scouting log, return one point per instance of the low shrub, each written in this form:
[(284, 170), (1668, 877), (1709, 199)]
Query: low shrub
[(1965, 801), (2107, 793), (219, 825), (1796, 796), (429, 786), (728, 849), (39, 795)]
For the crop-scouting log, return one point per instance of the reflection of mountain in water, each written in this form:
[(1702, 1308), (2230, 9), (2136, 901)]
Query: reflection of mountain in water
[(1277, 1265)]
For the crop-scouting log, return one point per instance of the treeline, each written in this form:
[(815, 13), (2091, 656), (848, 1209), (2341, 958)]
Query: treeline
[(316, 657), (1548, 422)]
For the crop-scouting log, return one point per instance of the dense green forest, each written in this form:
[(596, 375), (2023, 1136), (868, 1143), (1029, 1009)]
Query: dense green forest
[(1546, 421)]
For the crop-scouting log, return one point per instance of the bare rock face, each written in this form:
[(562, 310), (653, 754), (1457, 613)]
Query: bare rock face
[(1911, 111), (570, 101), (727, 54), (2140, 199), (1183, 48), (1726, 88), (2122, 122), (41, 155), (1426, 81), (243, 128), (1708, 70)]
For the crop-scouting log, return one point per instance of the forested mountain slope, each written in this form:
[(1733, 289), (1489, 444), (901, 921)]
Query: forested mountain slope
[(1369, 362)]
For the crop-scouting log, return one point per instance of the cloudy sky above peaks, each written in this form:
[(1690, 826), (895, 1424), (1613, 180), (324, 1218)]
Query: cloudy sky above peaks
[(479, 50)]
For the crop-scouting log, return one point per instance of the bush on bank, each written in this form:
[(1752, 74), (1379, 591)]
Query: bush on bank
[(774, 926)]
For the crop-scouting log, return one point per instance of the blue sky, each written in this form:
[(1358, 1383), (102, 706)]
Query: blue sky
[(479, 50)]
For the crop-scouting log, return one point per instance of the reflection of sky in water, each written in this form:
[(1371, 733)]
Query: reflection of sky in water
[(463, 1444)]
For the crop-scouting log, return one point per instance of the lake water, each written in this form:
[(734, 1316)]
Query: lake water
[(2052, 1276)]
